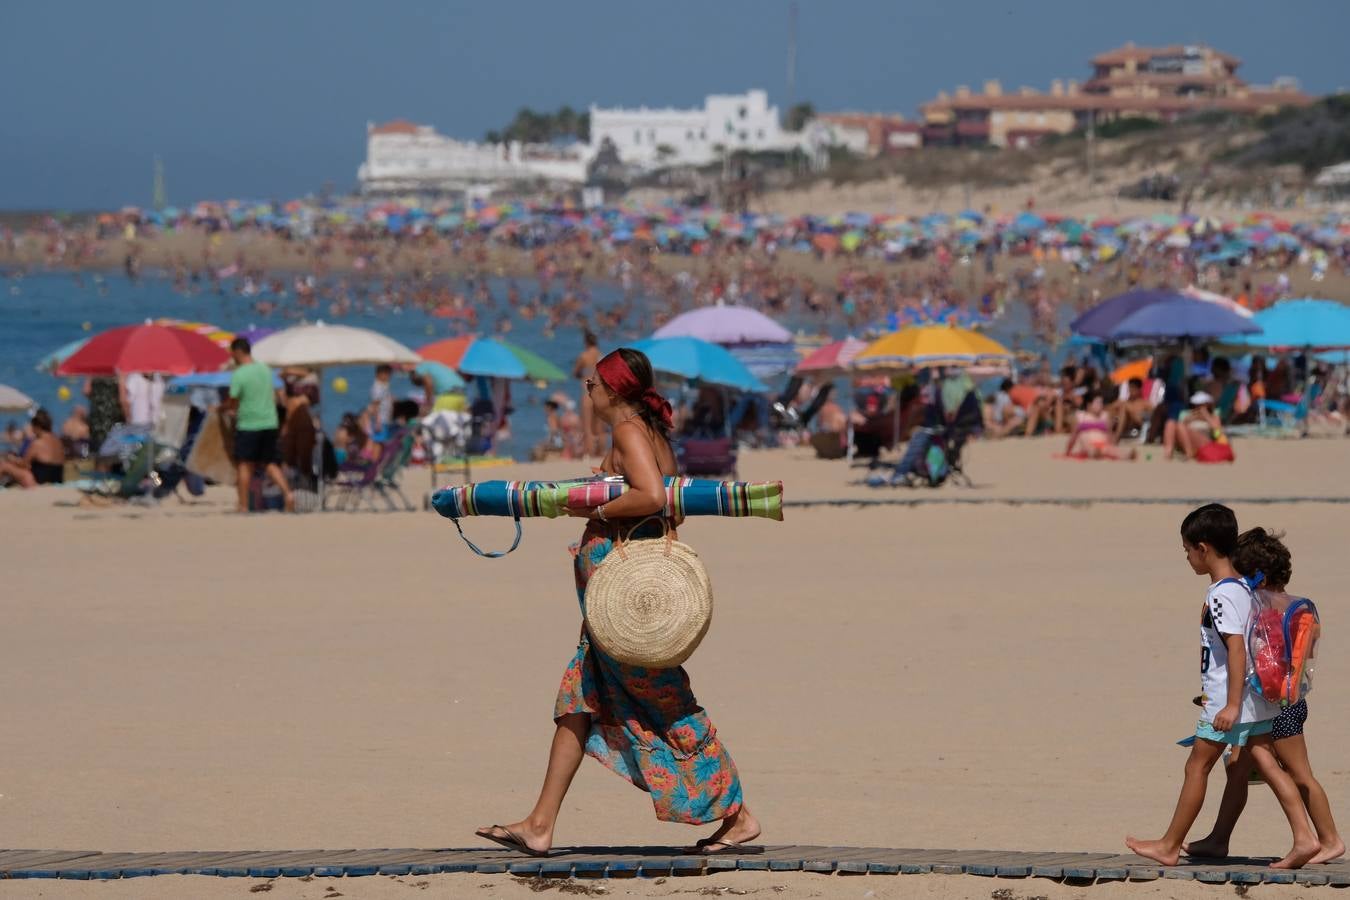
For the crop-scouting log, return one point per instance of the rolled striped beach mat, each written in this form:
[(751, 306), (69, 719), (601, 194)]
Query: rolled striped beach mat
[(552, 499)]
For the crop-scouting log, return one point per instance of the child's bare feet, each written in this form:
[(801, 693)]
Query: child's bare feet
[(1334, 850), (1206, 848), (1158, 851), (1302, 854)]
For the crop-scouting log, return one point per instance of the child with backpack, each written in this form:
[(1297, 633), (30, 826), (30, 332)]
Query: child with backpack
[(1233, 714), (1263, 560)]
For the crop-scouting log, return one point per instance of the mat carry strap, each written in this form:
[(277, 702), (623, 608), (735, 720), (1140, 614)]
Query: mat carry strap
[(489, 554)]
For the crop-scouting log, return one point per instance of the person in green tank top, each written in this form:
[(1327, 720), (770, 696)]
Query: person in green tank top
[(257, 432)]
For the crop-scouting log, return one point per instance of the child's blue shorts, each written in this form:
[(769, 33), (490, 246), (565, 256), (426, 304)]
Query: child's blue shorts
[(1237, 736)]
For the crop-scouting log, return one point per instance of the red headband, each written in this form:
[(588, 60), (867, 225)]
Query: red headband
[(616, 375)]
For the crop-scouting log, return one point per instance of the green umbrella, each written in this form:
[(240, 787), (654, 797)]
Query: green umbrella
[(536, 367)]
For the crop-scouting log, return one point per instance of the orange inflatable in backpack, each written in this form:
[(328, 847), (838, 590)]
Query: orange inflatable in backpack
[(1282, 646)]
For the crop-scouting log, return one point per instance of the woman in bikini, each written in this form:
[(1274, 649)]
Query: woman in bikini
[(644, 724), (1091, 437), (43, 460)]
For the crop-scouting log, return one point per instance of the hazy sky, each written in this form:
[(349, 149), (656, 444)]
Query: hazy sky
[(269, 98)]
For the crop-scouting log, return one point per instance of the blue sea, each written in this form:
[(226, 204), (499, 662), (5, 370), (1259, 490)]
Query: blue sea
[(43, 312)]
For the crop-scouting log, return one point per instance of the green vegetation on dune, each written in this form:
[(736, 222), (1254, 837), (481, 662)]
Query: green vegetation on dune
[(1311, 137)]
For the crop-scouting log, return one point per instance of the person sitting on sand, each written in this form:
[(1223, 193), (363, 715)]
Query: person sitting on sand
[(1233, 714), (1069, 397), (1002, 415), (1201, 436), (1260, 552), (1091, 437), (75, 433), (1131, 412), (831, 435), (14, 436), (43, 461)]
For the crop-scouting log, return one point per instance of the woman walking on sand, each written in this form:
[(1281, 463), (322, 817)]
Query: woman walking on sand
[(644, 724)]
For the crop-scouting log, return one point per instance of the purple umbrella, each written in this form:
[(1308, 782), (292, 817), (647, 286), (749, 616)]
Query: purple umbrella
[(253, 335), (1182, 316), (725, 325), (1099, 321)]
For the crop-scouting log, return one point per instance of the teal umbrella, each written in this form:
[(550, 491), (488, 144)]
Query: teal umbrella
[(443, 378), (698, 360), (1294, 324), (49, 362)]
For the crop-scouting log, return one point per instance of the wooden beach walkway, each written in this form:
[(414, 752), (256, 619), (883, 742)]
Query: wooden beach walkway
[(627, 862)]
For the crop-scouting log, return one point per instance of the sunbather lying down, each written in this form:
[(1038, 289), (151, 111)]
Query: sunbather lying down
[(1091, 437)]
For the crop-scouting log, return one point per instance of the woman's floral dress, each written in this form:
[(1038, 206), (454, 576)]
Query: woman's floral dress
[(646, 724)]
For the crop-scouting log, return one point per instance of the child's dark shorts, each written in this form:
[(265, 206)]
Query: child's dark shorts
[(1289, 723)]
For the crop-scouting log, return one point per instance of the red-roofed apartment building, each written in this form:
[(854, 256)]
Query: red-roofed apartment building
[(1164, 83)]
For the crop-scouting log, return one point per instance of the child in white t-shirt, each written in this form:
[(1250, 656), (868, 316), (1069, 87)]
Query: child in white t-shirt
[(1262, 553), (1232, 713)]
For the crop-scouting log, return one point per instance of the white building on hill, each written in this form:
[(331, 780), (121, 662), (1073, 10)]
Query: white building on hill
[(649, 138), (402, 156)]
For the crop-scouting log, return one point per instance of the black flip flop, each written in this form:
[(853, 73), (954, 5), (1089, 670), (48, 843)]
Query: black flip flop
[(729, 848), (512, 841)]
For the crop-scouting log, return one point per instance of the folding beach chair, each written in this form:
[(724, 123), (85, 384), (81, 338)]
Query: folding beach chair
[(387, 475), (707, 456), (135, 482), (352, 481), (358, 482)]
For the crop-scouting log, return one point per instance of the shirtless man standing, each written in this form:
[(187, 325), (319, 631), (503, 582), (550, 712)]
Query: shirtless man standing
[(592, 429)]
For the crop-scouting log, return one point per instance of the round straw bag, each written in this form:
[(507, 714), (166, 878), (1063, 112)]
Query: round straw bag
[(649, 603)]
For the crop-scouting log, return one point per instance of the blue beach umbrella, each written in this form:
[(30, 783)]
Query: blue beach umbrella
[(697, 360), (443, 378), (209, 380), (487, 358), (1324, 324), (49, 362)]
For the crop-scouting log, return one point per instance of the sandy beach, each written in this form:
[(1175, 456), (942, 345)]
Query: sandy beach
[(967, 675)]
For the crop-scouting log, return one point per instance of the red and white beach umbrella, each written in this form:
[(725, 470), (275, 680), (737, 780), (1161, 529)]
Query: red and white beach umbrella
[(832, 358), (149, 349)]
